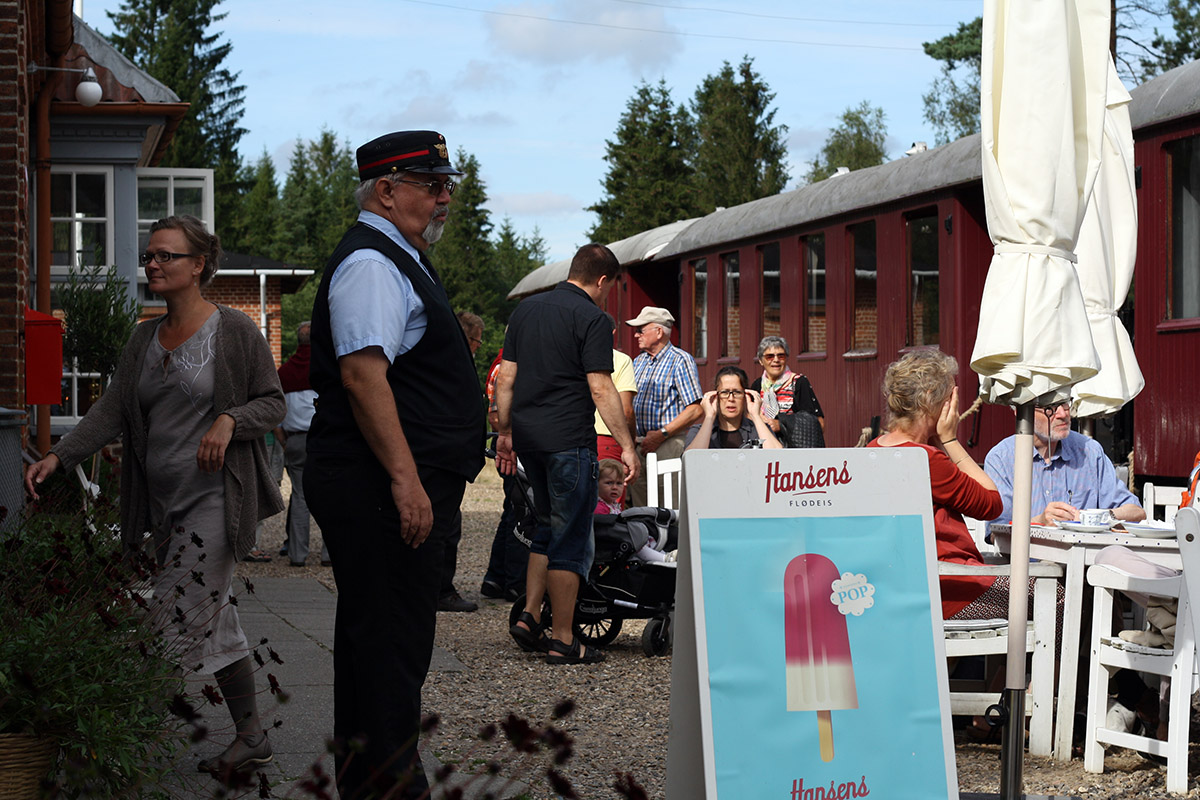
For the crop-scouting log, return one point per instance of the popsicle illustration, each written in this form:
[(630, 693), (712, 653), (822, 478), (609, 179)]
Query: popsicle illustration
[(820, 673)]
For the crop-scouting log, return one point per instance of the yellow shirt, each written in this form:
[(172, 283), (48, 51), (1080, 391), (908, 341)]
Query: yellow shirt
[(622, 376)]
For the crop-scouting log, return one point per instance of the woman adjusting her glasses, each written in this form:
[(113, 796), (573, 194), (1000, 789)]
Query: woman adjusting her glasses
[(194, 393), (732, 416)]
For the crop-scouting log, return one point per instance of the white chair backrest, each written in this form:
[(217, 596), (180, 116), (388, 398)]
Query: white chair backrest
[(978, 530), (662, 481), (1187, 525), (1168, 497)]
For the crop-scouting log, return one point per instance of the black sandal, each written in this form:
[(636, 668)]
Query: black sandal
[(575, 653), (531, 639)]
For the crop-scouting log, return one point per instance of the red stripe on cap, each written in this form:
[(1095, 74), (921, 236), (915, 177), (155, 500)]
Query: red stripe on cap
[(390, 159)]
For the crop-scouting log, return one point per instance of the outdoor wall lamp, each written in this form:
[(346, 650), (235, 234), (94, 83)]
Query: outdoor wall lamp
[(88, 92)]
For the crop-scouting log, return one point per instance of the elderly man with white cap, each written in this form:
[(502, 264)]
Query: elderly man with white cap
[(668, 391)]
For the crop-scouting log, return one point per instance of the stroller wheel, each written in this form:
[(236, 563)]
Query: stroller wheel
[(656, 638), (598, 633), (519, 605)]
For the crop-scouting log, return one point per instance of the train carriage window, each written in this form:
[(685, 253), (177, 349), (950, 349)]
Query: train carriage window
[(700, 308), (813, 248), (865, 334), (731, 341), (922, 280), (772, 295), (1183, 277)]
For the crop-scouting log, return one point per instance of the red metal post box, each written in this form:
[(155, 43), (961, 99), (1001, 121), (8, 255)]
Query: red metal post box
[(43, 358)]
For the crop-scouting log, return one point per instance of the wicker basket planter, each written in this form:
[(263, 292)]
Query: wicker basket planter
[(24, 761)]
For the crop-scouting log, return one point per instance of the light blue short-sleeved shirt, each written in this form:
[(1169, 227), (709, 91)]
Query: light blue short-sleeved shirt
[(371, 302)]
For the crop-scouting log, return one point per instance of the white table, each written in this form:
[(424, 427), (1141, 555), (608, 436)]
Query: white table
[(1076, 552)]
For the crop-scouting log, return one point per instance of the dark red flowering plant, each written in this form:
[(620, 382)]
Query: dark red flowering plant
[(79, 662)]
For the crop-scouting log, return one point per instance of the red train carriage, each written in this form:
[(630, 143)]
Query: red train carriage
[(857, 269)]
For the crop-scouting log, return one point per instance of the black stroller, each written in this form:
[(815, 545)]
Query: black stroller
[(619, 585)]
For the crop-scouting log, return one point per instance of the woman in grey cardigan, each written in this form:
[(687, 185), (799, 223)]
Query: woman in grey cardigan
[(192, 396)]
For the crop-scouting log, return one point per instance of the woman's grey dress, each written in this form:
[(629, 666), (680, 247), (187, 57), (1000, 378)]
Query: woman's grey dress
[(187, 505)]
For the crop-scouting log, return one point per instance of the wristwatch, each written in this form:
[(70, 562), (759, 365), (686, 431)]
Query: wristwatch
[(663, 431)]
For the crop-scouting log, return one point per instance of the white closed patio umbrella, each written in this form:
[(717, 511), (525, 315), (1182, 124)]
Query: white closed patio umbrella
[(1042, 85), (1107, 250)]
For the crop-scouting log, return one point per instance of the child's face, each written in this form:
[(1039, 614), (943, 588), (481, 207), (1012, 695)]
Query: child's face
[(611, 488)]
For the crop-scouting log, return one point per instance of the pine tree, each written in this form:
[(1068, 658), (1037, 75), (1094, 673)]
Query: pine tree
[(169, 39), (253, 228), (952, 103), (297, 210), (463, 256), (1183, 47), (650, 180), (856, 142), (740, 154)]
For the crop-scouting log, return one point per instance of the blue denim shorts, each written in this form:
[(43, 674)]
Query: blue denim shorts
[(565, 485)]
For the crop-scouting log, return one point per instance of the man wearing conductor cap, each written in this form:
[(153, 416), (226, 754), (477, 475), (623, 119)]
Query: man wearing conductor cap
[(397, 434)]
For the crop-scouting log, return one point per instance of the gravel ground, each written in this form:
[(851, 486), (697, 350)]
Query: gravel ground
[(620, 724)]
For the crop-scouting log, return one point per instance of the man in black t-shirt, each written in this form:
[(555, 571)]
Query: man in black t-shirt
[(556, 372)]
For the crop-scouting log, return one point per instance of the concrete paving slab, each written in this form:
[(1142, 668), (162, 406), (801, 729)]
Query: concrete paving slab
[(296, 616)]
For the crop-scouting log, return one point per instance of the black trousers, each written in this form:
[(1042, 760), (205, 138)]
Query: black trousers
[(386, 613)]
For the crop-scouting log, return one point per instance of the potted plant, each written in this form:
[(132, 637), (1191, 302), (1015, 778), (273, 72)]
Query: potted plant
[(85, 678)]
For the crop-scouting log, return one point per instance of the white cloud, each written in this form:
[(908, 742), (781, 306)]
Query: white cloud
[(538, 204), (432, 112), (479, 75), (593, 32)]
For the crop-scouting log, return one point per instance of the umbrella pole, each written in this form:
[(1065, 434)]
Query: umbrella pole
[(1012, 751)]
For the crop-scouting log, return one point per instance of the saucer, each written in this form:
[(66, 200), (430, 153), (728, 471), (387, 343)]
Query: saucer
[(1150, 531), (1079, 527)]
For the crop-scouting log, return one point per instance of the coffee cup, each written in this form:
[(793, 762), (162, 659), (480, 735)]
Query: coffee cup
[(1096, 516)]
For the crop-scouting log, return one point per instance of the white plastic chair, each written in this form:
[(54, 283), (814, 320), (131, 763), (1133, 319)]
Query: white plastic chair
[(668, 470), (1169, 497), (1111, 653), (990, 637)]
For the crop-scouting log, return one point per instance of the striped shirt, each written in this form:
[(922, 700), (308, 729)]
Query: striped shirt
[(666, 384)]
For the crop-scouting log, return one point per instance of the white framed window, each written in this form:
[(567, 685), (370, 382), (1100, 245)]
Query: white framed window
[(79, 391), (166, 192), (81, 218)]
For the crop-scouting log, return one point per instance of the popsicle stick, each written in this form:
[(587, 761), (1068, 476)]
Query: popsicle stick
[(825, 731)]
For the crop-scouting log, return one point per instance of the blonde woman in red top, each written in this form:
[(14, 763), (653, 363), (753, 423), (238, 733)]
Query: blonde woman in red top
[(922, 412)]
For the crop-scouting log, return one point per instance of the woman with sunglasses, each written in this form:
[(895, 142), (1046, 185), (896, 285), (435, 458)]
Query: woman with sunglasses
[(783, 391), (193, 394), (732, 416)]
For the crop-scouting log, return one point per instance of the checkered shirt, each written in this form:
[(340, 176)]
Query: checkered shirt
[(666, 384)]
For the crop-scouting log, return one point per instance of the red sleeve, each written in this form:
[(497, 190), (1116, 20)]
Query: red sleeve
[(957, 491)]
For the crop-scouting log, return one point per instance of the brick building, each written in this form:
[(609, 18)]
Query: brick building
[(80, 187)]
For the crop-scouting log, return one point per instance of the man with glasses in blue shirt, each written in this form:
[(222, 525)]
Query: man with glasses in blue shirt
[(1070, 472)]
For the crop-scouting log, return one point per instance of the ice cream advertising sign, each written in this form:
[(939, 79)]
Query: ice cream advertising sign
[(808, 631)]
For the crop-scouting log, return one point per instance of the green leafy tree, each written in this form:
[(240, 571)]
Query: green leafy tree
[(650, 178), (856, 142), (1180, 48), (170, 40), (740, 153), (952, 102)]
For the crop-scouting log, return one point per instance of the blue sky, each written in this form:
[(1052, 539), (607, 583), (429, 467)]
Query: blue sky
[(534, 88)]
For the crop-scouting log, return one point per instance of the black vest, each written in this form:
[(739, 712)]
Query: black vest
[(435, 386)]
